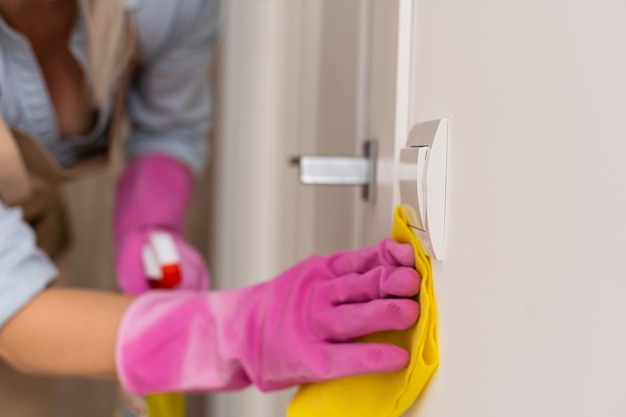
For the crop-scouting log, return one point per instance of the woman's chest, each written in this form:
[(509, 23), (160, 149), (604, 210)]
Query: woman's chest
[(44, 92), (67, 88), (46, 30)]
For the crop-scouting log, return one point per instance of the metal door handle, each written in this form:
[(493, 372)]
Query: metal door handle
[(341, 170)]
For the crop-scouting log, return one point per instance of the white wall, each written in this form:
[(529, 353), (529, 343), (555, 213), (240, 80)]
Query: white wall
[(531, 294)]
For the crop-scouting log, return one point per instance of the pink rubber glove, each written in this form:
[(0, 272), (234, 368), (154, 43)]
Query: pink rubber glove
[(152, 194), (292, 330)]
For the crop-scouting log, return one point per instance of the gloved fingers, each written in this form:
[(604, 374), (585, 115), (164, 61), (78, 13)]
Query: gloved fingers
[(194, 273), (130, 273), (387, 252), (348, 359), (349, 321), (380, 282)]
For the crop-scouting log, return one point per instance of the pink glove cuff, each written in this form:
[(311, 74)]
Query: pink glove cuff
[(170, 342), (153, 191)]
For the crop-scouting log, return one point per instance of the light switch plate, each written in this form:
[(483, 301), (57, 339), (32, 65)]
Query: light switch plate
[(422, 177)]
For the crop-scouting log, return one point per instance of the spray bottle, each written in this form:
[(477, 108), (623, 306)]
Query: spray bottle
[(161, 263)]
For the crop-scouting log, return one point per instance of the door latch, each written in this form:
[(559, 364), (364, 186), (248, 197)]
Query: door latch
[(342, 170)]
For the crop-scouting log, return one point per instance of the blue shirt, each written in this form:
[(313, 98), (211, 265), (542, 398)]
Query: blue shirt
[(169, 107)]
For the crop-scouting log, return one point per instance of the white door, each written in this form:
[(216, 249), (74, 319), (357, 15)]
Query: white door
[(388, 67), (292, 83)]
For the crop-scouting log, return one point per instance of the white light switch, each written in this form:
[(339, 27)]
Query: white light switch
[(422, 178), (411, 177)]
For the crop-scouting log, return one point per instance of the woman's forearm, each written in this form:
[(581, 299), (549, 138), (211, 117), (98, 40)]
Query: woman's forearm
[(65, 332)]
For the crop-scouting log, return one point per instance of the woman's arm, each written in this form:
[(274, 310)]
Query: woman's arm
[(65, 332), (169, 107), (197, 341), (169, 102)]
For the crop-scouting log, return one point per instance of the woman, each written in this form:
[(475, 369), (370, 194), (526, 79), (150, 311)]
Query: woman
[(64, 63)]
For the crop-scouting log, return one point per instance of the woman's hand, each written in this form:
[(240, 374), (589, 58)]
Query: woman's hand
[(131, 271), (295, 329), (152, 195)]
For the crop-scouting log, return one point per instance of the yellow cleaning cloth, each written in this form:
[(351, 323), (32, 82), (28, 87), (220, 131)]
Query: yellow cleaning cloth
[(157, 405), (166, 405), (383, 395)]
